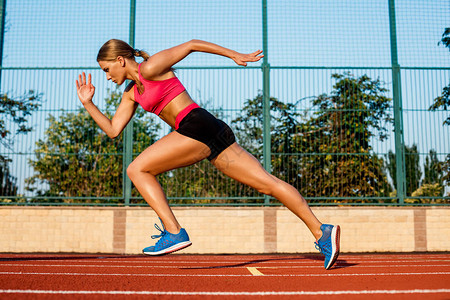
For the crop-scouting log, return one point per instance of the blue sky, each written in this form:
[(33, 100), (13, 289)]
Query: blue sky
[(60, 33)]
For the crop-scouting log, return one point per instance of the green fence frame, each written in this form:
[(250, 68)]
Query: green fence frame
[(266, 71)]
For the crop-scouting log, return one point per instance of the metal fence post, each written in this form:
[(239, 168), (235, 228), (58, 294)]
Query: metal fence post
[(2, 35), (128, 133), (398, 111), (267, 155)]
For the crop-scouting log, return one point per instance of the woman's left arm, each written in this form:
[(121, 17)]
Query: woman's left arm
[(162, 62)]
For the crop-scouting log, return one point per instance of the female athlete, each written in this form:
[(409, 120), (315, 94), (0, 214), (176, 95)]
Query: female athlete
[(197, 135)]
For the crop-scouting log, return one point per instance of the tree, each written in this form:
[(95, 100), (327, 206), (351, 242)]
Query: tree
[(325, 151), (14, 113), (76, 159), (432, 184), (443, 102), (283, 121), (428, 190), (336, 139), (445, 38), (8, 183), (412, 168), (433, 169)]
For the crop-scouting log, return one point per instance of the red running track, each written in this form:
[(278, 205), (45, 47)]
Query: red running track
[(368, 276)]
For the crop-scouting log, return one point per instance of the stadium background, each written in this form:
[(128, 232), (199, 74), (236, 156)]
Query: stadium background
[(288, 110)]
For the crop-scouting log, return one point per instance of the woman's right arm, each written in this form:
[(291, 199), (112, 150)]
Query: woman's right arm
[(163, 61), (123, 115)]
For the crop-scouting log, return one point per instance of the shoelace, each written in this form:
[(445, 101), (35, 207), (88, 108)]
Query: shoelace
[(163, 233), (318, 246)]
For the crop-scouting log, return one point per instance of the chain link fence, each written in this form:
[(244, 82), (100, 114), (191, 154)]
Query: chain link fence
[(349, 104)]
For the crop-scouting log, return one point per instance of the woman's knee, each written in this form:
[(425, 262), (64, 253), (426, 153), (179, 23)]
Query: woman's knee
[(134, 170)]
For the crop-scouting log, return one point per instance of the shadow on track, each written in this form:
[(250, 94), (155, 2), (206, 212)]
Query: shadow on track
[(340, 263)]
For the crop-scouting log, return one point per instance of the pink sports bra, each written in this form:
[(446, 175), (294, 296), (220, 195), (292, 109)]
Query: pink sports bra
[(157, 94)]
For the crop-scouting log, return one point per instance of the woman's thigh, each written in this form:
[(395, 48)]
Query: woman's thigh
[(170, 152), (237, 163)]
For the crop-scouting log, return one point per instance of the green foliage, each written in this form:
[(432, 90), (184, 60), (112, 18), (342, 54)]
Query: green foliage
[(325, 153), (412, 168), (355, 106), (432, 184), (14, 111), (433, 169), (283, 121), (249, 125), (443, 101), (446, 172), (428, 190), (445, 38), (336, 141), (436, 172), (8, 183), (76, 159)]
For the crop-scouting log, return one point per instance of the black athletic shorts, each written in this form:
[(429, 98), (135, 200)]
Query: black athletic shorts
[(202, 126)]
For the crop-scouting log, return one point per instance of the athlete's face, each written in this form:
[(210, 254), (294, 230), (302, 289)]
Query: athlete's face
[(114, 70)]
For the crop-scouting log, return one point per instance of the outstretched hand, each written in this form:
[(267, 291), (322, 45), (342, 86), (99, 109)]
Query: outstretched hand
[(85, 91), (242, 59)]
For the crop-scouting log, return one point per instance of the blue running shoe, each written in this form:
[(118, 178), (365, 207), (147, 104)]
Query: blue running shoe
[(328, 244), (168, 242)]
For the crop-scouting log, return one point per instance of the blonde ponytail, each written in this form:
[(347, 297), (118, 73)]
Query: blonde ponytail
[(114, 48), (140, 53)]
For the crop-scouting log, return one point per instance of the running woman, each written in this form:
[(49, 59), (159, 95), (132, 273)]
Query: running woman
[(197, 135)]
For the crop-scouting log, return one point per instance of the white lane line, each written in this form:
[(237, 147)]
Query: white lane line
[(343, 266), (271, 293), (226, 275), (265, 261), (258, 265), (300, 263)]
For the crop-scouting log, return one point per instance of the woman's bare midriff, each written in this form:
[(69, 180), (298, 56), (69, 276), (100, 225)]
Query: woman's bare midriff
[(170, 112)]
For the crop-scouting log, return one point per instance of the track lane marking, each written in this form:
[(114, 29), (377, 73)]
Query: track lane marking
[(254, 271), (338, 265), (226, 275), (273, 293), (152, 263), (274, 260), (267, 260)]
